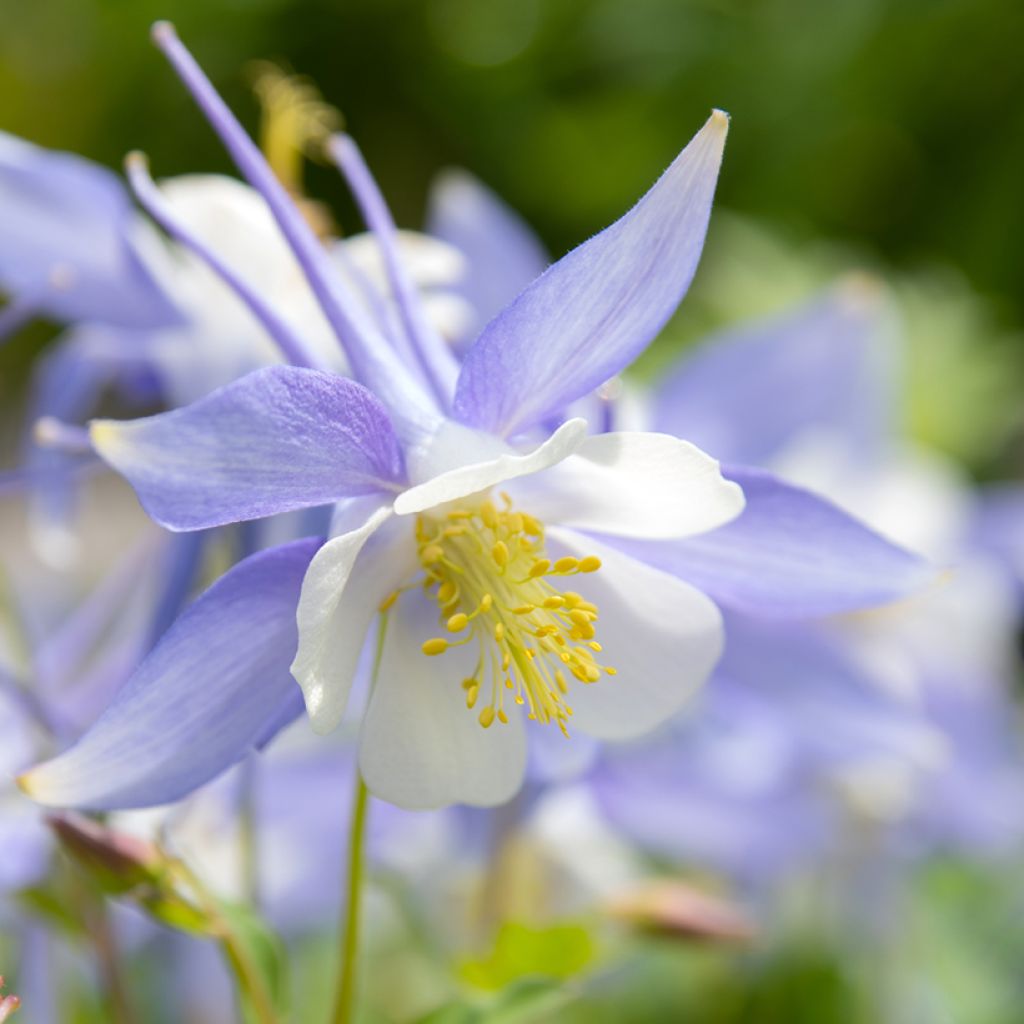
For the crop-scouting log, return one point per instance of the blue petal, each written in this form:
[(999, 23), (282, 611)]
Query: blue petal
[(502, 253), (789, 554), (745, 394), (999, 527), (198, 702), (67, 385), (596, 309), (281, 438), (721, 788), (66, 245)]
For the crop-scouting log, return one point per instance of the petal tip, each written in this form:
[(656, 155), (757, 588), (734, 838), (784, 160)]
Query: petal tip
[(162, 31), (719, 119), (860, 292), (103, 434), (33, 786)]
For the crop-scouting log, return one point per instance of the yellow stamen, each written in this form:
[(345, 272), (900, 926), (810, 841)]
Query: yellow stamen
[(487, 569)]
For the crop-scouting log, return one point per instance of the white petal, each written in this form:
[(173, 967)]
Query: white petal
[(452, 484), (634, 485), (343, 587), (421, 747), (662, 635), (429, 261)]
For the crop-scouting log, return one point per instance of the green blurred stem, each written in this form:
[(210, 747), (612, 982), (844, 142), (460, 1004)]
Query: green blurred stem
[(344, 1000), (247, 975)]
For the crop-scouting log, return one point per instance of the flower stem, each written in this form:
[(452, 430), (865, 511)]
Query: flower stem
[(344, 1001)]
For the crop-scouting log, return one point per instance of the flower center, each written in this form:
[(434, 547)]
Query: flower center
[(487, 568)]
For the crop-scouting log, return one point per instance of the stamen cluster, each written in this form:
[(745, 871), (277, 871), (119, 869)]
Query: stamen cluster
[(488, 571)]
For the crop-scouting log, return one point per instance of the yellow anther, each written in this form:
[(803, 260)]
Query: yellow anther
[(494, 586), (611, 671), (532, 527), (388, 601), (502, 717)]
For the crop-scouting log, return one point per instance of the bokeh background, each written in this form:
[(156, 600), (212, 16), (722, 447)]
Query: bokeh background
[(871, 134)]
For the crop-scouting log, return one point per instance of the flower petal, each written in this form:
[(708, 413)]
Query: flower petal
[(198, 702), (281, 438), (634, 485), (452, 484), (420, 746), (343, 589), (747, 394), (67, 242), (596, 309), (790, 554), (502, 253), (661, 635)]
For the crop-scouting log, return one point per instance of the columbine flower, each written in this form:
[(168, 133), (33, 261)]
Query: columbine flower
[(490, 529)]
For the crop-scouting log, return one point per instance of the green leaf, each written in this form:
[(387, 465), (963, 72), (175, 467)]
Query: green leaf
[(559, 951), (262, 949), (528, 1001)]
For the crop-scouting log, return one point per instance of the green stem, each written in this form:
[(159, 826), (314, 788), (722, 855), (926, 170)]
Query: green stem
[(344, 1000), (246, 973), (344, 1003)]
